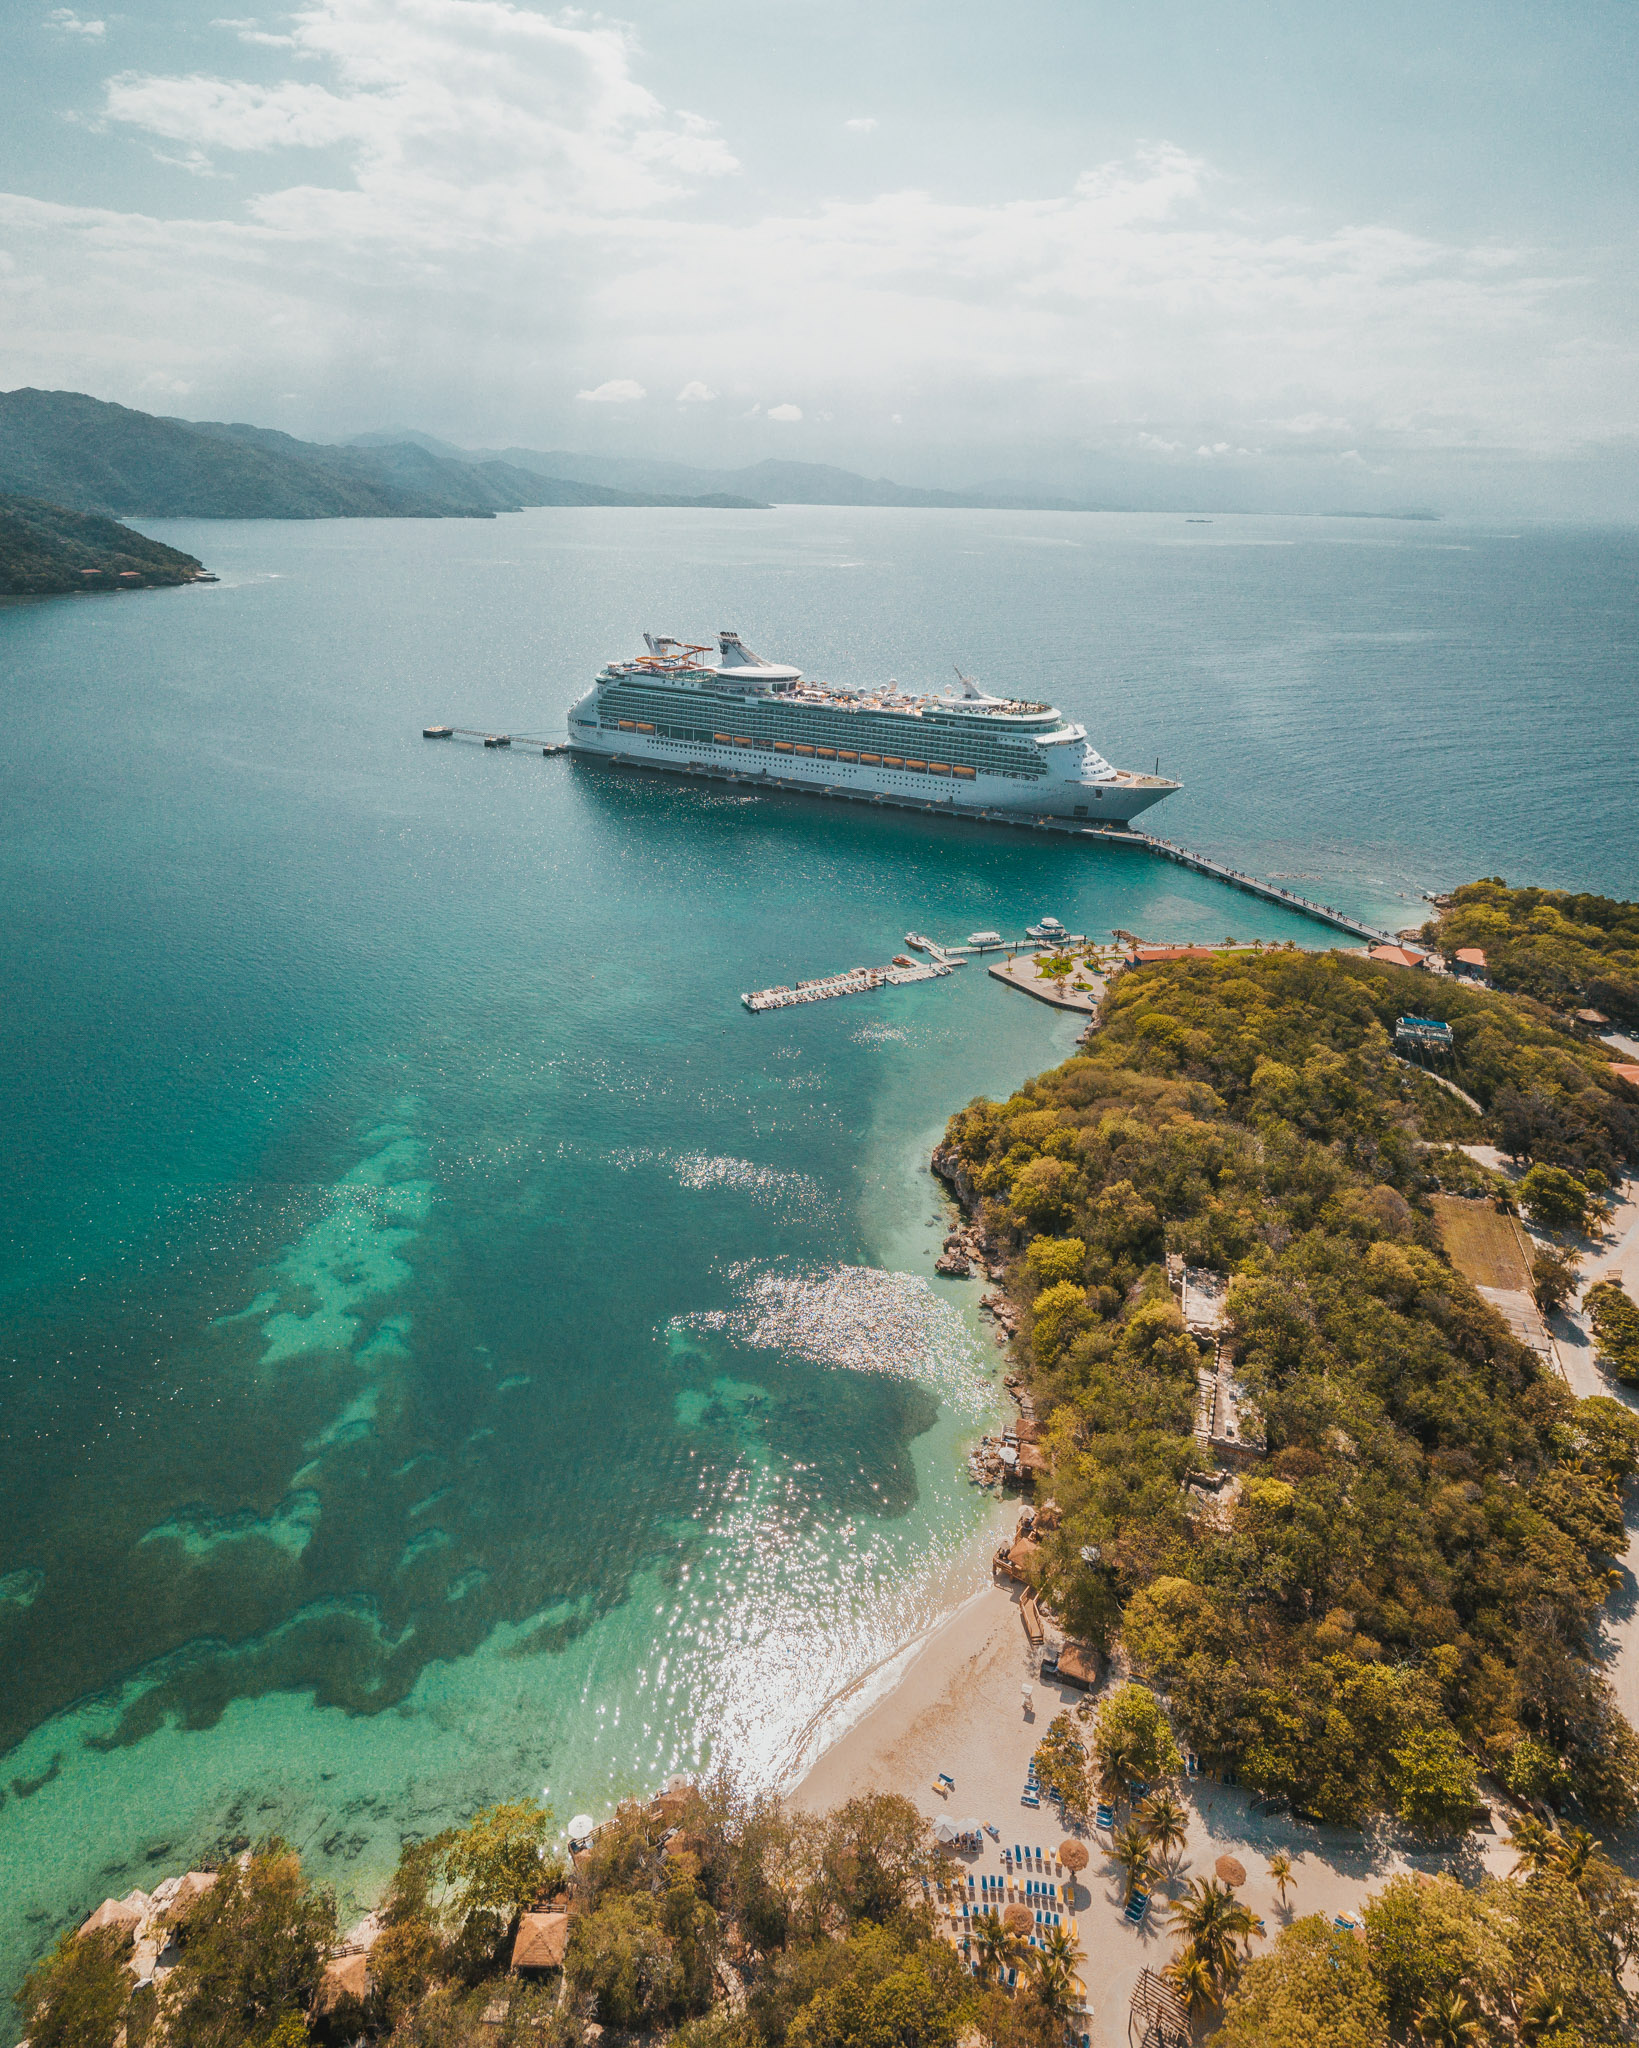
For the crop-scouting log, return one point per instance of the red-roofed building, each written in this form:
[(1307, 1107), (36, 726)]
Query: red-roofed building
[(1395, 956), (1628, 1074), (1470, 960)]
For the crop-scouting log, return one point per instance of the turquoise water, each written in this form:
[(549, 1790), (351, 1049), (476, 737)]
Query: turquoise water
[(450, 1348)]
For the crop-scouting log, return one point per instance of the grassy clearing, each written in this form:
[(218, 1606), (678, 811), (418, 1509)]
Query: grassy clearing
[(1486, 1247)]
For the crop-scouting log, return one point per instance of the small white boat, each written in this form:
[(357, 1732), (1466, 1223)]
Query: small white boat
[(1049, 928), (916, 940), (984, 939)]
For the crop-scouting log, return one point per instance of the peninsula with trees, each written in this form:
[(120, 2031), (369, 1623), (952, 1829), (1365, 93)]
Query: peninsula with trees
[(1375, 1605), (48, 551)]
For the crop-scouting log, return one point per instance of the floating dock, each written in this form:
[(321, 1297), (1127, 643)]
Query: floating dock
[(494, 739), (855, 982)]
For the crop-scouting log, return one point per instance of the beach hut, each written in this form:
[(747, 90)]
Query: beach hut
[(541, 1941), (1076, 1665), (1231, 1871)]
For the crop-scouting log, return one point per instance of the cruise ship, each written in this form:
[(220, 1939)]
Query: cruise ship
[(679, 706)]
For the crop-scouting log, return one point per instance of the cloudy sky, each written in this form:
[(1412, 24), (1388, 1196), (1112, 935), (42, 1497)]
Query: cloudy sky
[(1340, 254)]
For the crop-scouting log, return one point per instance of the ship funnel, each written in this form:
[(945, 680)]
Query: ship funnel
[(736, 654)]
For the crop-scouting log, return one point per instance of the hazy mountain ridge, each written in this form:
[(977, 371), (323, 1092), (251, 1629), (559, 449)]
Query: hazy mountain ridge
[(786, 483), (47, 550), (66, 448)]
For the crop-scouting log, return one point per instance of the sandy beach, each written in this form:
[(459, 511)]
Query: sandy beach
[(957, 1707)]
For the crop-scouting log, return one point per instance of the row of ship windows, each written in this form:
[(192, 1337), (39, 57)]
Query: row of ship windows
[(976, 748), (812, 746), (727, 739)]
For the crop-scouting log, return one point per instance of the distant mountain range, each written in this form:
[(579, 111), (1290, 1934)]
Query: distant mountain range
[(71, 450), (46, 551), (79, 452), (783, 483)]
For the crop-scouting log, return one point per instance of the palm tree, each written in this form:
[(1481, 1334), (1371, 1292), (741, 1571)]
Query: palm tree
[(1535, 1844), (1052, 1966), (1189, 1976), (1116, 1766), (996, 1948), (1448, 2020), (1212, 1920), (1280, 1869), (1575, 1849), (1541, 2013), (1130, 1847), (1166, 1823)]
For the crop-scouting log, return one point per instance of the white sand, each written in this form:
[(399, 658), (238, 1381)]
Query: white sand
[(957, 1707)]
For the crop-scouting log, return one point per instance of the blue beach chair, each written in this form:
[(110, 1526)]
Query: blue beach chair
[(1137, 1906), (1106, 1816)]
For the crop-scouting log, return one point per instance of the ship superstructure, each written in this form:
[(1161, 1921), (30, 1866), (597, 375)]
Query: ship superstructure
[(677, 707)]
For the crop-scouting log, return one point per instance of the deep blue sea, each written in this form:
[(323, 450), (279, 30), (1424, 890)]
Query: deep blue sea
[(448, 1347)]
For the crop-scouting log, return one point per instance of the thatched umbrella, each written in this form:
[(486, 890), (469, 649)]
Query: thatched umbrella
[(1231, 1871), (1019, 1919), (1073, 1855)]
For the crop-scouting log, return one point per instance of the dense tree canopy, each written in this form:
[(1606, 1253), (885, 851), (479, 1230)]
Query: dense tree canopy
[(1572, 951), (1404, 1588)]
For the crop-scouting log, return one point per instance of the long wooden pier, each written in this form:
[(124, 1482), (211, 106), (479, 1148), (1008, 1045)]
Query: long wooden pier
[(1104, 835)]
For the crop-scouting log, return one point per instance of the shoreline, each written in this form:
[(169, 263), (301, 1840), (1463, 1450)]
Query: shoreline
[(836, 1723)]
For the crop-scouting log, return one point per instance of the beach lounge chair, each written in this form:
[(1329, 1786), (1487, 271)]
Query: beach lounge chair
[(995, 1834), (1137, 1906), (1028, 1799), (1106, 1816), (947, 1781), (1344, 1924)]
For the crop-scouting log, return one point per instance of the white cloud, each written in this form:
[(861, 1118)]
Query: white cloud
[(252, 31), (68, 23), (785, 412), (435, 183), (464, 117), (861, 124)]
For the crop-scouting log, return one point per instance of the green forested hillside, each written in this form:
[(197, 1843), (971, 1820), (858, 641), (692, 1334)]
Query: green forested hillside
[(1405, 1588), (1573, 951), (69, 449), (46, 551)]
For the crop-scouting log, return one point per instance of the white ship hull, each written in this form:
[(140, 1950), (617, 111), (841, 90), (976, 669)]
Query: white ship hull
[(1116, 803), (763, 721)]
